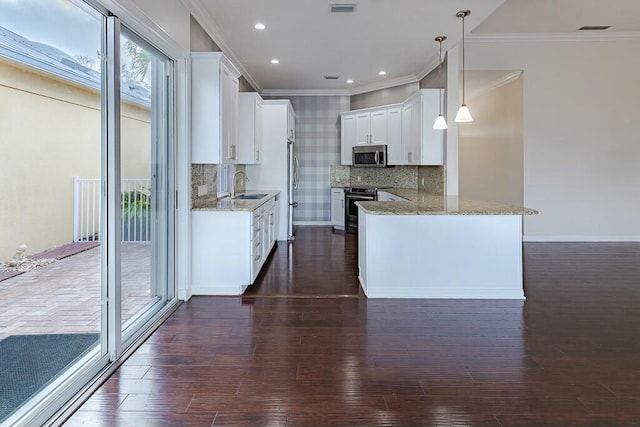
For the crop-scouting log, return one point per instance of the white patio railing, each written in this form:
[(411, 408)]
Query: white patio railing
[(135, 201)]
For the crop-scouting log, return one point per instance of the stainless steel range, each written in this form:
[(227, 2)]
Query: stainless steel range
[(351, 196)]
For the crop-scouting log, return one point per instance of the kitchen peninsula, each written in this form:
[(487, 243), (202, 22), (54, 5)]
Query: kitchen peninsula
[(440, 247)]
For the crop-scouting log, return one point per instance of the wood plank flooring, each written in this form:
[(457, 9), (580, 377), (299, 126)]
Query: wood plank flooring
[(567, 356)]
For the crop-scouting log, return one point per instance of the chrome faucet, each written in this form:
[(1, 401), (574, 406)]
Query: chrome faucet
[(233, 184)]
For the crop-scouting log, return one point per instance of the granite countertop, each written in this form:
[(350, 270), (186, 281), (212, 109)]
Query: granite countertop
[(423, 203), (229, 205)]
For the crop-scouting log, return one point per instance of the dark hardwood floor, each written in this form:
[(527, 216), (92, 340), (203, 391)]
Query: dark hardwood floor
[(567, 356)]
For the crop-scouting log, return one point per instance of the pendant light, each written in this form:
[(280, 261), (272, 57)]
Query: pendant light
[(464, 115), (440, 122)]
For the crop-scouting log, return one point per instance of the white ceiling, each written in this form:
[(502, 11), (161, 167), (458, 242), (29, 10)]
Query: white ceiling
[(392, 35)]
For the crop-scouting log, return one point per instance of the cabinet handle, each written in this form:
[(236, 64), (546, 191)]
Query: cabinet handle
[(257, 155), (409, 156), (342, 203)]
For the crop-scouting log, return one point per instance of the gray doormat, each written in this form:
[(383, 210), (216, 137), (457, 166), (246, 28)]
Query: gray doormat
[(29, 362)]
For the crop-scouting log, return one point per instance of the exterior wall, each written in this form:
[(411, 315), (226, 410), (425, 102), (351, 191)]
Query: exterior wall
[(581, 151), (50, 132), (490, 148)]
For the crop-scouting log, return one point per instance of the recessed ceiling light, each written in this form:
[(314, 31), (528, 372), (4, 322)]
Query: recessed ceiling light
[(259, 26), (275, 61), (349, 81), (594, 27), (382, 73)]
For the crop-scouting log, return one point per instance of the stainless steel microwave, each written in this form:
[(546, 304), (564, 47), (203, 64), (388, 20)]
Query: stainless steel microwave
[(370, 156)]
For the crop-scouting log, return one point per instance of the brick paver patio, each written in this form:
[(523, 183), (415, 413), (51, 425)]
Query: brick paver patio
[(64, 297)]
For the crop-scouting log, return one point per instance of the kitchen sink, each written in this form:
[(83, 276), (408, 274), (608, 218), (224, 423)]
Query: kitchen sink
[(250, 196)]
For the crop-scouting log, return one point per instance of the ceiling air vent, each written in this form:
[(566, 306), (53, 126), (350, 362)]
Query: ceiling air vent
[(594, 27), (331, 77), (343, 7)]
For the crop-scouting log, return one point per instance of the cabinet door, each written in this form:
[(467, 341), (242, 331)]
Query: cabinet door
[(363, 128), (291, 124), (378, 131), (394, 136), (348, 137), (407, 119), (228, 115), (415, 156), (259, 134), (337, 207)]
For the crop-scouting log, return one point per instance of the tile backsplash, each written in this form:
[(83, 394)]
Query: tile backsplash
[(202, 174), (398, 177)]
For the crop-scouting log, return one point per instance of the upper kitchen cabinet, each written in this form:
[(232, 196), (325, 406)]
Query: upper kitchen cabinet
[(421, 144), (362, 127), (291, 122), (250, 132), (214, 109), (371, 126), (394, 135)]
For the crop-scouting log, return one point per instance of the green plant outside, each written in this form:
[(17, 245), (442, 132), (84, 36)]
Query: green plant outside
[(136, 202)]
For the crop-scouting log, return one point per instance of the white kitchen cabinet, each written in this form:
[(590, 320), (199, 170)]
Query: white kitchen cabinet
[(394, 135), (337, 208), (421, 144), (272, 172), (348, 138), (371, 126), (228, 248), (214, 109), (291, 123), (406, 129), (366, 126), (250, 132)]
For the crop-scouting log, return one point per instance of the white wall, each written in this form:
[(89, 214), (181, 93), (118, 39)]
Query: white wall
[(581, 138), (490, 148)]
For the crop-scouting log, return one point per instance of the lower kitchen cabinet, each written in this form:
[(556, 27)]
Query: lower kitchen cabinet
[(337, 208), (230, 247)]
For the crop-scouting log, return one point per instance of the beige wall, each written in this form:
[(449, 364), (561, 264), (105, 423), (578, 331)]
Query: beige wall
[(49, 133), (392, 95), (581, 144), (201, 42), (490, 148)]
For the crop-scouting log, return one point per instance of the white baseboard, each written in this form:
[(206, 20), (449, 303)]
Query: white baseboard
[(581, 238), (312, 223)]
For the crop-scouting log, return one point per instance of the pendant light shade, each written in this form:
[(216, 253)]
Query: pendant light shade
[(440, 122), (464, 115)]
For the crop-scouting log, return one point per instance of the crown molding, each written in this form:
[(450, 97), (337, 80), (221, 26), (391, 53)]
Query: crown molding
[(306, 92), (514, 75), (342, 92), (208, 24), (552, 37), (386, 84), (434, 61)]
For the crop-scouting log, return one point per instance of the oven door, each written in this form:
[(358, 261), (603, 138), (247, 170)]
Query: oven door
[(351, 210)]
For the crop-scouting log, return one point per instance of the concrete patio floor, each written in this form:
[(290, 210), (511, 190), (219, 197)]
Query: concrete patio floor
[(64, 297)]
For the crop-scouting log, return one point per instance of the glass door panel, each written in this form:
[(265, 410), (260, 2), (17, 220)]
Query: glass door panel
[(146, 205), (51, 237)]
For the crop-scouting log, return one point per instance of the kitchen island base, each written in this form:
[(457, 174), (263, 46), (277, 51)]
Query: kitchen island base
[(440, 256)]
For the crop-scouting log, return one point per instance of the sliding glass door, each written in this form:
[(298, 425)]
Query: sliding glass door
[(87, 177)]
